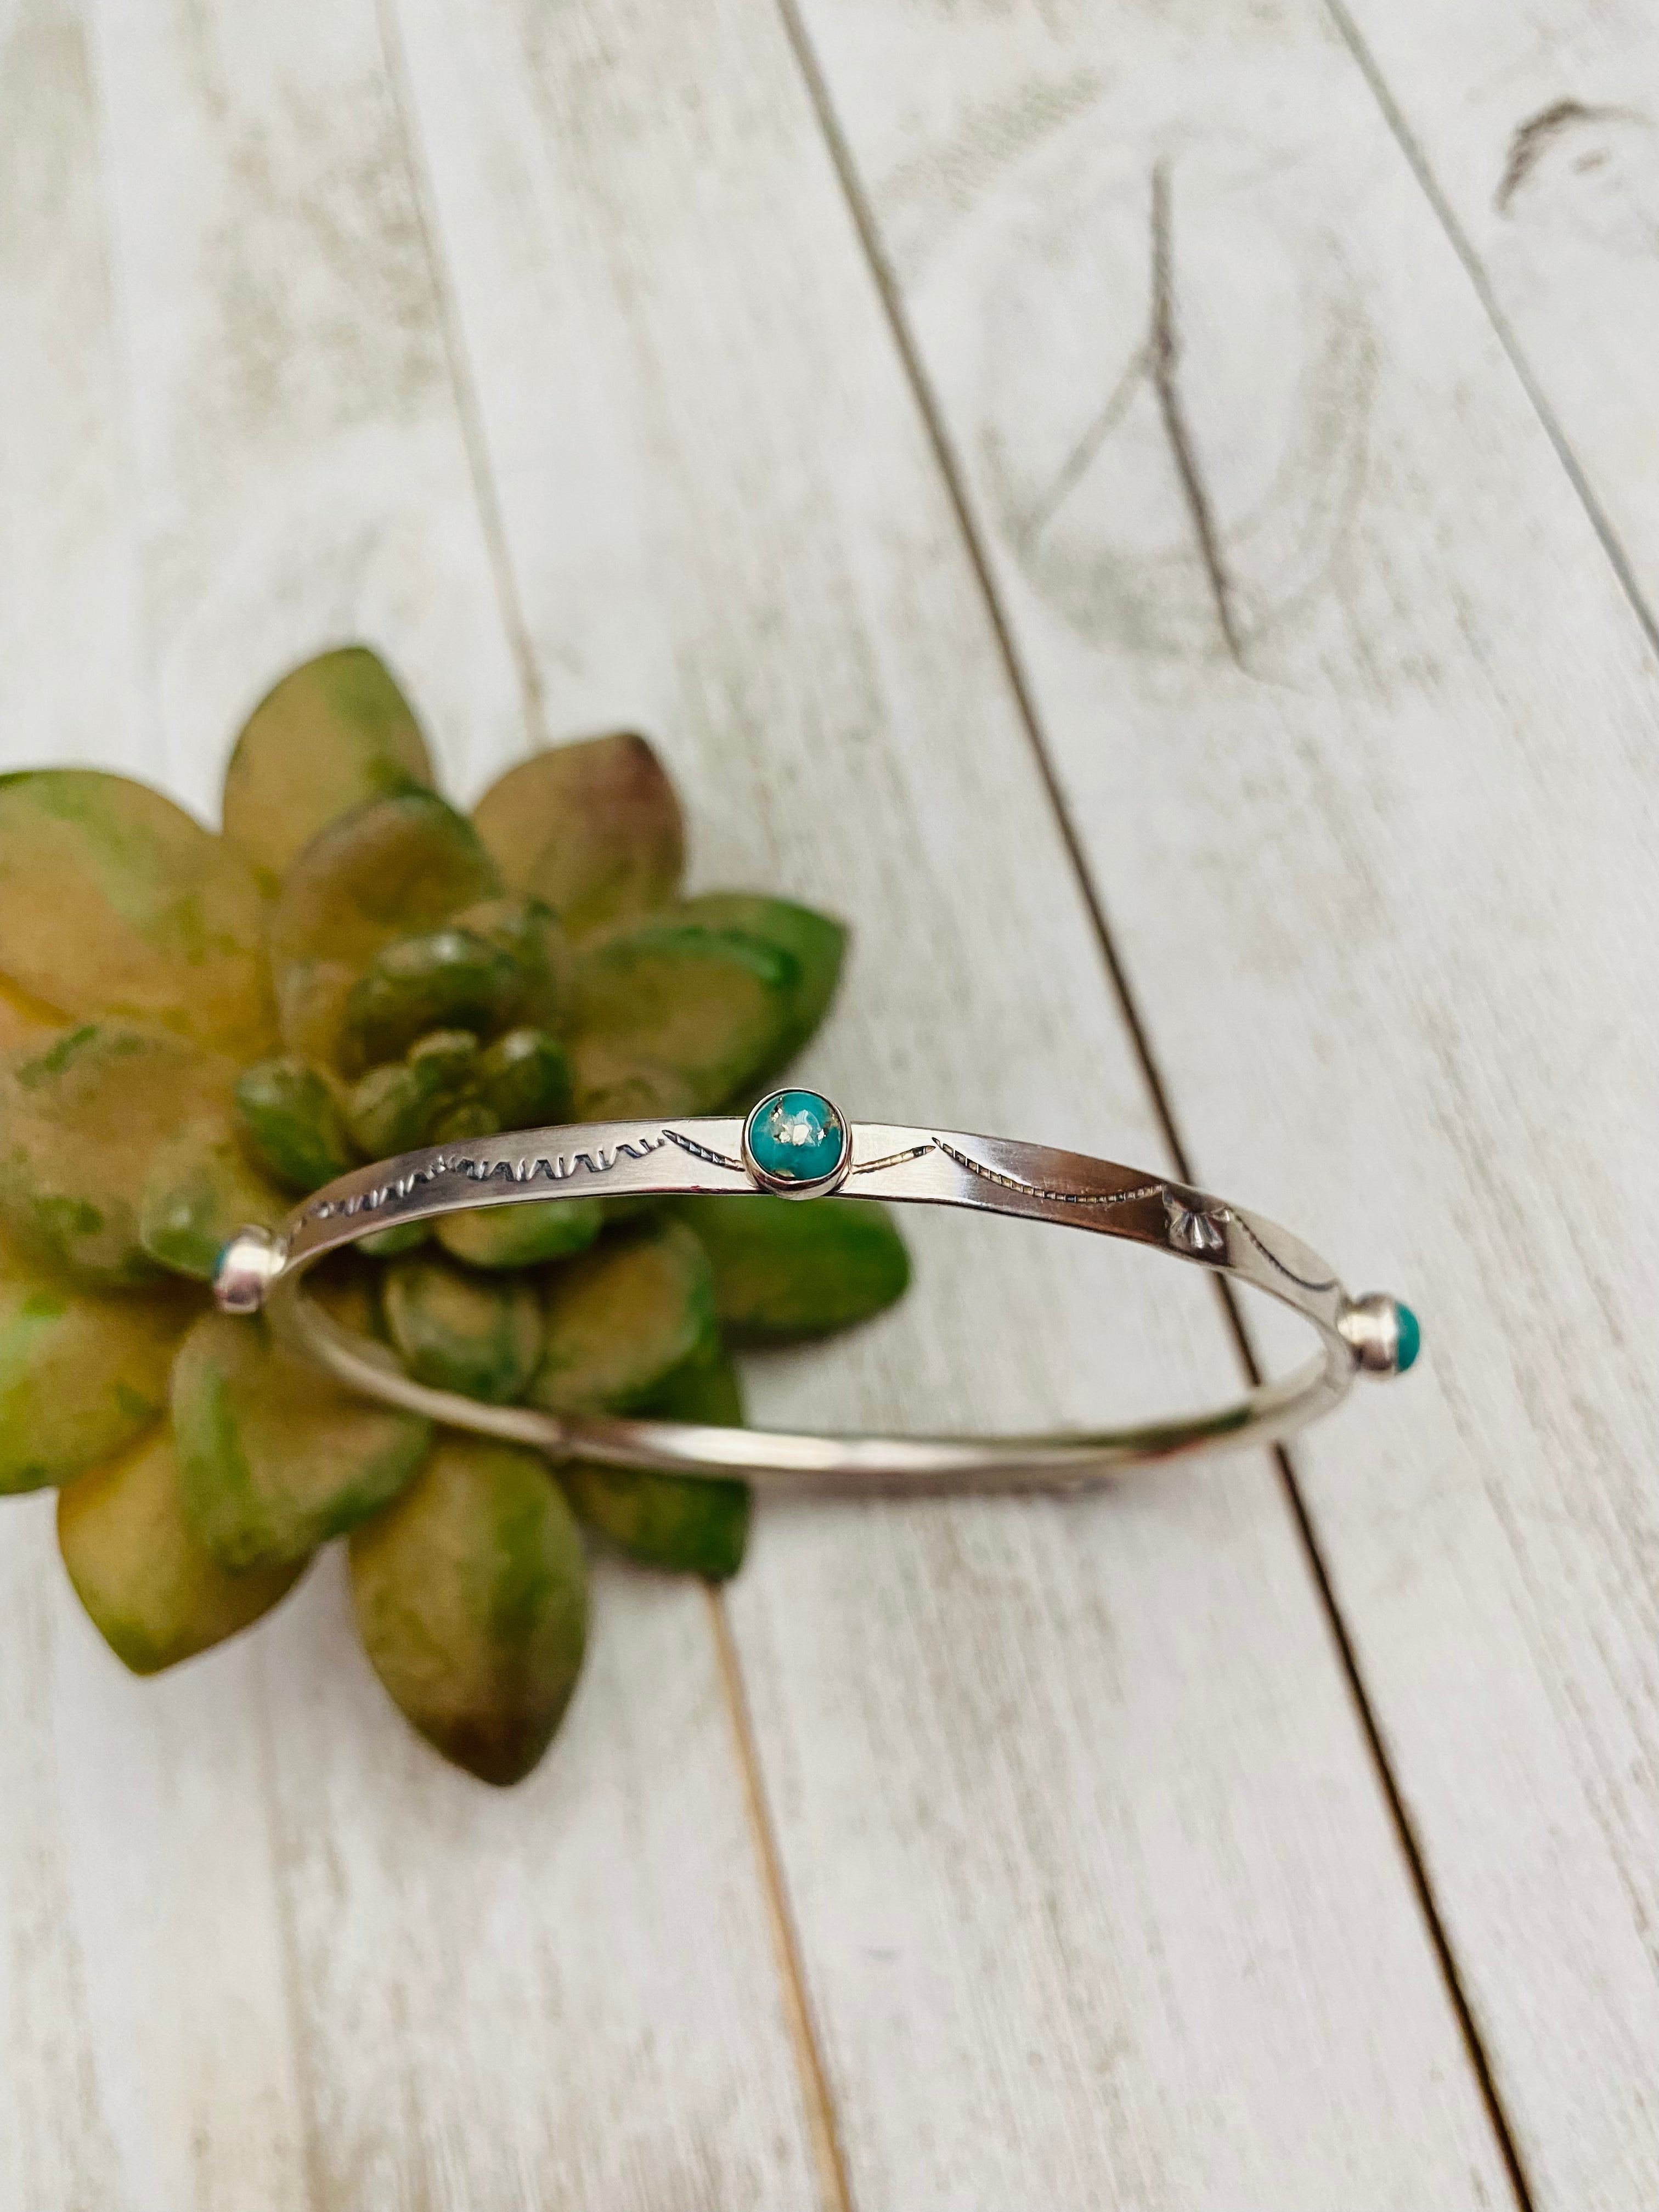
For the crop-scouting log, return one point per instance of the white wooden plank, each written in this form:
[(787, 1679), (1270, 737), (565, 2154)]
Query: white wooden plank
[(1539, 129), (1381, 874), (356, 1977), (145, 2036), (1096, 1896)]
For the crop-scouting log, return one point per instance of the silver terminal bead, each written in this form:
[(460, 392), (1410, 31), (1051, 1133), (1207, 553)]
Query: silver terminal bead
[(244, 1271), (1371, 1327)]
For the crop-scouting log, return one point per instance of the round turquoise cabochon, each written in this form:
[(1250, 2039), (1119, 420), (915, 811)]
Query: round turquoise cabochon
[(797, 1136)]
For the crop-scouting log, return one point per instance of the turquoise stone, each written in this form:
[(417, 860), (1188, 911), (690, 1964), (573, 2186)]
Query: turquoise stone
[(1410, 1337), (797, 1136)]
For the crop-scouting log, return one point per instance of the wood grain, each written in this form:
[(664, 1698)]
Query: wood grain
[(263, 1950), (1537, 132), (1095, 1895), (1354, 719)]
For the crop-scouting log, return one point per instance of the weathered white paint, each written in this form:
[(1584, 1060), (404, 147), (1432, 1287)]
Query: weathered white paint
[(1380, 864), (1095, 1895)]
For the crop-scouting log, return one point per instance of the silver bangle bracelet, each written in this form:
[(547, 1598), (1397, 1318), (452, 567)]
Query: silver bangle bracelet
[(797, 1145)]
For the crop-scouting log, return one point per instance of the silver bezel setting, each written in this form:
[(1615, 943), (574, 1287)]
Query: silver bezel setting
[(793, 1186)]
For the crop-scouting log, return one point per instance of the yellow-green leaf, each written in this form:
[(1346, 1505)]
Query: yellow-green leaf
[(291, 1121), (154, 1592), (480, 1334), (815, 942), (521, 1236), (471, 1601), (200, 1189), (275, 1457), (80, 1126), (334, 733), (715, 1008), (114, 902), (26, 1025), (592, 828), (622, 1317), (782, 1269), (688, 1524), (392, 867), (80, 1376)]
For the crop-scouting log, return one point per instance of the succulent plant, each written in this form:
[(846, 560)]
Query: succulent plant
[(195, 1031)]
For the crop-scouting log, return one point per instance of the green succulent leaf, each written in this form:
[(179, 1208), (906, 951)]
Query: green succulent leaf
[(291, 1122), (783, 1269), (199, 1191), (616, 1085), (335, 731), (529, 932), (622, 1317), (391, 868), (471, 1601), (154, 1592), (393, 1243), (450, 979), (525, 1080), (274, 1456), (410, 1102), (80, 1376), (113, 902), (457, 1330), (815, 942), (686, 1524), (713, 1007), (592, 828), (80, 1126), (521, 1236)]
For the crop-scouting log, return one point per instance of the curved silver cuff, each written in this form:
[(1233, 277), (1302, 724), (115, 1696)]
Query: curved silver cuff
[(879, 1160)]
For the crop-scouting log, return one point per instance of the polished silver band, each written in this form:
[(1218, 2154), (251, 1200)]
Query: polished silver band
[(881, 1160)]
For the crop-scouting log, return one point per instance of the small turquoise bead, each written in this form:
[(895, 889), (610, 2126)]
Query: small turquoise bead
[(1410, 1337), (797, 1136)]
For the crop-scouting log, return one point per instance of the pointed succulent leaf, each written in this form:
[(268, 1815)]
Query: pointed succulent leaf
[(80, 1376), (784, 1270), (471, 1600), (531, 934), (815, 942), (335, 731), (622, 1317), (393, 868), (274, 1456), (154, 1592), (397, 1107), (593, 827), (456, 1330), (200, 1189), (114, 902), (80, 1125), (713, 1007), (291, 1122), (525, 1080), (450, 979), (521, 1236), (688, 1524)]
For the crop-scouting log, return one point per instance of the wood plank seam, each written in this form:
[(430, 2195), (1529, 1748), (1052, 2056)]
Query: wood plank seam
[(1600, 522), (466, 400), (816, 2096), (1161, 366), (803, 2033)]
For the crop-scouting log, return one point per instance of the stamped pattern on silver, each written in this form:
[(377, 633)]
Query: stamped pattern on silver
[(598, 1160)]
